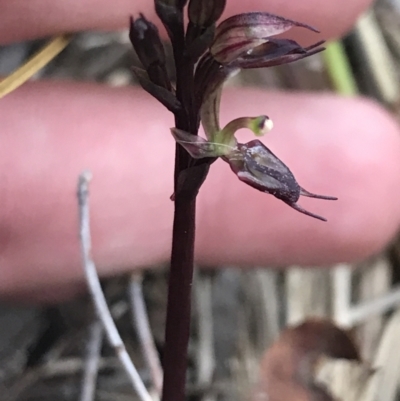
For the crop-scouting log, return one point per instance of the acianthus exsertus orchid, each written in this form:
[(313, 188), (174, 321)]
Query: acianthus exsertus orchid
[(205, 56), (240, 42)]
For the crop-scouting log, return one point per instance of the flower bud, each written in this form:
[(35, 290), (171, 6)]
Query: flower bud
[(204, 13), (170, 13), (150, 50)]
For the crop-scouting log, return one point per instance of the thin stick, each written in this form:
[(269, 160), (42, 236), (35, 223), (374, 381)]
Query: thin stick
[(97, 293), (92, 362), (142, 326)]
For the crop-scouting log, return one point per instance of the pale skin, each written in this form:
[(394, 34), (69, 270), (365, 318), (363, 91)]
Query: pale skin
[(50, 132)]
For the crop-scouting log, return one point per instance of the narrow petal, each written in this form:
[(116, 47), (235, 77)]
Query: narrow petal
[(209, 79), (210, 76), (240, 33), (199, 147), (276, 52), (297, 207), (230, 50), (303, 192)]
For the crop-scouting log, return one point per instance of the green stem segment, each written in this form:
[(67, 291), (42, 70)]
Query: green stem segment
[(339, 69)]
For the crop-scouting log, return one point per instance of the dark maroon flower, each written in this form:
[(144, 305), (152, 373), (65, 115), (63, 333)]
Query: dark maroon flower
[(258, 167), (242, 41), (252, 162)]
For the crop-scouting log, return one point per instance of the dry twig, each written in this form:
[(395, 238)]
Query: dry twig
[(96, 291), (92, 362)]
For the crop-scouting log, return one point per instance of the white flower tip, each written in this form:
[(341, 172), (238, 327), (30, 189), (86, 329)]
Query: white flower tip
[(261, 125), (268, 125)]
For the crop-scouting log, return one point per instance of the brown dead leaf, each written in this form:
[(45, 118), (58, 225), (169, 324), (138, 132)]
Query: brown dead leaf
[(288, 368)]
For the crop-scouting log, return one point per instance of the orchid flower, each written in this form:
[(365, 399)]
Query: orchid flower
[(242, 41)]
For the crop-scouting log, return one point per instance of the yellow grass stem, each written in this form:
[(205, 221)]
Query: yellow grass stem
[(33, 65)]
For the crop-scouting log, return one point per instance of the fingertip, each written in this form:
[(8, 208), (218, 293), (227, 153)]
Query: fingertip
[(341, 147)]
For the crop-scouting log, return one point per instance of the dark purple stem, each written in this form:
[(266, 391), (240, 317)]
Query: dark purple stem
[(179, 301), (177, 331)]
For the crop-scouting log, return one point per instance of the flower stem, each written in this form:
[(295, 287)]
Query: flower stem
[(179, 301), (187, 182)]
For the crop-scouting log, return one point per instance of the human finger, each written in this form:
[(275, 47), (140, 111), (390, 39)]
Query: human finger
[(21, 19), (52, 131)]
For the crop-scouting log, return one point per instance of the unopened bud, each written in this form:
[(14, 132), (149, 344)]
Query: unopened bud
[(204, 13), (170, 13), (146, 41), (150, 50)]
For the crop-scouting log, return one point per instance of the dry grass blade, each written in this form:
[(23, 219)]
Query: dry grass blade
[(347, 314), (33, 65), (302, 299), (378, 58), (385, 383), (143, 330)]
